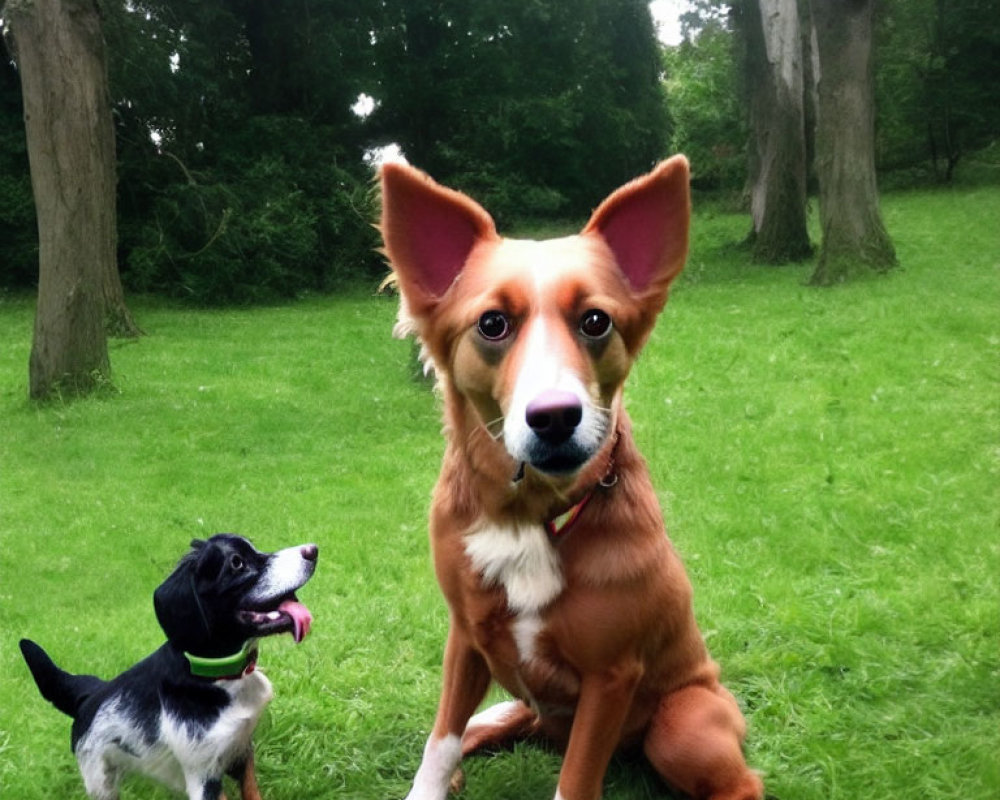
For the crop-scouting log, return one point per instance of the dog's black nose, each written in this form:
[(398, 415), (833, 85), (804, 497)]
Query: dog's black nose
[(309, 552), (554, 415)]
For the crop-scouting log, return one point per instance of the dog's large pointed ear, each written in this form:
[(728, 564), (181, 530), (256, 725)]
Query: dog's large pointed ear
[(429, 232), (645, 223)]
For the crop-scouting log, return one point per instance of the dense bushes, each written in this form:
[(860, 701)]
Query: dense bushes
[(252, 236)]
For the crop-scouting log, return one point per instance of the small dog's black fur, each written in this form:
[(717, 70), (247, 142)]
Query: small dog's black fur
[(165, 716)]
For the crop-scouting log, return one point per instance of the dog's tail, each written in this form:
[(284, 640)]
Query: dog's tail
[(65, 691)]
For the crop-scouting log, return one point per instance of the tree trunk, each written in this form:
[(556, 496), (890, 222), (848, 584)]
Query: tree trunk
[(854, 239), (67, 116), (777, 146)]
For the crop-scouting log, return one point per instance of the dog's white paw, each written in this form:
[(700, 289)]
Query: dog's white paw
[(441, 758)]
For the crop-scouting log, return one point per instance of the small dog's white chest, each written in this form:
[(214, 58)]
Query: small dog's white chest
[(522, 560), (249, 696), (229, 735)]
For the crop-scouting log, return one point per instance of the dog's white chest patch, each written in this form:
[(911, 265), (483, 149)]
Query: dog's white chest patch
[(229, 735), (522, 560)]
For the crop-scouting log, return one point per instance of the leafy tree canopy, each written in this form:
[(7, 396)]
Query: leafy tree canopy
[(537, 108), (706, 105), (241, 170), (241, 164), (936, 81)]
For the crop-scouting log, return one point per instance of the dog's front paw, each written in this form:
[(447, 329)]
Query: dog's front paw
[(424, 793), (437, 769), (424, 790)]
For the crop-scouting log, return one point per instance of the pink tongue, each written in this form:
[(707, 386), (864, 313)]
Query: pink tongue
[(300, 617)]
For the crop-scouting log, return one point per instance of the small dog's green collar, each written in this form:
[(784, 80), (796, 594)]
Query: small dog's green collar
[(235, 666)]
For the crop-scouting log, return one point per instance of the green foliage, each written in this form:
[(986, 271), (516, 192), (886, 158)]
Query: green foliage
[(18, 234), (936, 82), (705, 101), (546, 105), (256, 189), (825, 459), (510, 199), (255, 235), (228, 242)]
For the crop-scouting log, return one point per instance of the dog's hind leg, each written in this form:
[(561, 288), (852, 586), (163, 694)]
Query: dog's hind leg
[(499, 726), (695, 742), (100, 780), (245, 774)]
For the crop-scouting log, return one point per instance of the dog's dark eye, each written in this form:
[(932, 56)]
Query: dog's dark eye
[(236, 563), (595, 323), (494, 326)]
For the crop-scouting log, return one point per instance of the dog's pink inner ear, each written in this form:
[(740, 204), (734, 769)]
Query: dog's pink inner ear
[(645, 223), (429, 230)]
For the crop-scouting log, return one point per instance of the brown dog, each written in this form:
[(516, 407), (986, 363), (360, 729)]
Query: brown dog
[(547, 536)]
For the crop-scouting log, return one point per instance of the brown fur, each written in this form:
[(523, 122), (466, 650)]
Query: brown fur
[(618, 658)]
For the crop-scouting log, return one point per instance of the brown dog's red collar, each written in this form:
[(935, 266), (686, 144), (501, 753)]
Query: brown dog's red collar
[(559, 524)]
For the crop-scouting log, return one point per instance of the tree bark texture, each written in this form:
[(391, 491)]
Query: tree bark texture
[(778, 145), (854, 237), (60, 56)]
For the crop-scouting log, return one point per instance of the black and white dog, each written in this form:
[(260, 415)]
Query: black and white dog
[(185, 715)]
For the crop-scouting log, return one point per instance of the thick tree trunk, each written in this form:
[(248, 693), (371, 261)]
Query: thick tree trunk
[(854, 238), (67, 116), (777, 146)]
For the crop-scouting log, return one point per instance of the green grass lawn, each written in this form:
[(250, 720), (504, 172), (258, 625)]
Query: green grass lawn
[(827, 462)]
